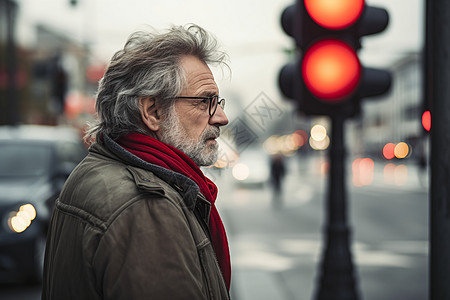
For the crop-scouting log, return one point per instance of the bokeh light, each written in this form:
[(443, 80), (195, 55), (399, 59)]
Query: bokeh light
[(426, 120), (395, 174), (240, 171), (319, 145), (318, 132), (388, 151), (285, 144), (363, 171), (401, 150), (20, 220)]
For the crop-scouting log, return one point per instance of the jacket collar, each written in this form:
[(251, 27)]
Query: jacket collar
[(182, 184)]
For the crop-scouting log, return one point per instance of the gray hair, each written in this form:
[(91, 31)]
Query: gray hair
[(148, 66)]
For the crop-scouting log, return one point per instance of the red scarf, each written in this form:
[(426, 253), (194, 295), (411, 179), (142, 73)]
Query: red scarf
[(158, 153)]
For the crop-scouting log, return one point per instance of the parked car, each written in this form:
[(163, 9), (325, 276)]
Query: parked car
[(35, 161)]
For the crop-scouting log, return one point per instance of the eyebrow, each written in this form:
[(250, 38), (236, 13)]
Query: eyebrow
[(209, 93)]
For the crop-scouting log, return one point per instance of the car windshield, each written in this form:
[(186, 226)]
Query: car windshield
[(18, 159)]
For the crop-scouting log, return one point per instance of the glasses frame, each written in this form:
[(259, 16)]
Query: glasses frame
[(212, 110)]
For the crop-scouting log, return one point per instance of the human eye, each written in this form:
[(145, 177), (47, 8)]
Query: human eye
[(203, 104)]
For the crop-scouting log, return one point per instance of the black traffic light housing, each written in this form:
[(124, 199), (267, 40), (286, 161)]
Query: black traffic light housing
[(298, 23), (328, 79)]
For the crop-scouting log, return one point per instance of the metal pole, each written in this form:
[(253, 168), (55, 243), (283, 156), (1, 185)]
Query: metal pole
[(13, 99), (439, 90), (337, 281)]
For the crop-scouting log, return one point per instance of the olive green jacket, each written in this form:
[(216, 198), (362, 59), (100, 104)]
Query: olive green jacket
[(124, 229)]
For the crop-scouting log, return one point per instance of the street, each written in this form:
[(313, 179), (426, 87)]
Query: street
[(275, 251), (298, 78)]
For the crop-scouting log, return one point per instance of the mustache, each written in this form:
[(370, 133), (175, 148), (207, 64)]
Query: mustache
[(211, 133)]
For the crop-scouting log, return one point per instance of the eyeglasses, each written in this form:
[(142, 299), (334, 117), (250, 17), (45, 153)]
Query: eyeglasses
[(213, 102)]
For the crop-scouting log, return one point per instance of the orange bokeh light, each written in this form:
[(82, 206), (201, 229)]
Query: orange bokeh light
[(331, 70), (401, 150), (334, 14)]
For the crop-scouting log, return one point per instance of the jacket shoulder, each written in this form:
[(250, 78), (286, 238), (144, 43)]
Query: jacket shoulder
[(99, 189)]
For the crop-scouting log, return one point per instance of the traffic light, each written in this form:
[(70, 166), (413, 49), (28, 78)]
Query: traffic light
[(328, 78), (426, 120), (426, 107)]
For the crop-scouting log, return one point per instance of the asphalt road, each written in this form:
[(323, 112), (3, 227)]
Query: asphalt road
[(276, 251)]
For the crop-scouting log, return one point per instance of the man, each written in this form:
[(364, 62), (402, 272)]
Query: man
[(136, 218)]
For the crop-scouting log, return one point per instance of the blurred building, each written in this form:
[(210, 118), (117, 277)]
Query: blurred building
[(9, 70), (54, 76), (396, 117), (58, 68), (3, 20)]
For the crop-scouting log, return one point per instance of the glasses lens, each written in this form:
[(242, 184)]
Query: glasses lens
[(213, 105), (222, 103)]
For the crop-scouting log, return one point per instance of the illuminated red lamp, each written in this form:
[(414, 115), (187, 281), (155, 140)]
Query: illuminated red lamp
[(426, 120), (335, 14), (331, 70), (389, 151)]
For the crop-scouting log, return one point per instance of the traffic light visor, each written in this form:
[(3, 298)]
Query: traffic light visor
[(331, 70), (334, 14)]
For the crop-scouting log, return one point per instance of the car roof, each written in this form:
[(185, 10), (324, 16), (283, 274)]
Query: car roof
[(39, 132)]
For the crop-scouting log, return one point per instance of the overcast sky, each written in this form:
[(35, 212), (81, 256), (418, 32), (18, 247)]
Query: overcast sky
[(249, 30)]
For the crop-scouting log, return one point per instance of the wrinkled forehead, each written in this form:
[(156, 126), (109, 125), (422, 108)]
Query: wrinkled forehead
[(199, 78)]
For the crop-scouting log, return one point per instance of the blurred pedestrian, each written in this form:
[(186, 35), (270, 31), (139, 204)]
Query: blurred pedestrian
[(277, 173), (137, 219)]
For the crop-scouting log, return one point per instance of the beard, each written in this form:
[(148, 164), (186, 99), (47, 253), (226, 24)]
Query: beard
[(201, 153)]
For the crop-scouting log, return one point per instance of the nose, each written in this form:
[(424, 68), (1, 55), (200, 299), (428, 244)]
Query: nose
[(219, 118)]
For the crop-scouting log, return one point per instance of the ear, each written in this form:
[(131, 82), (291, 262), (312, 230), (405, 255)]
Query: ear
[(149, 113)]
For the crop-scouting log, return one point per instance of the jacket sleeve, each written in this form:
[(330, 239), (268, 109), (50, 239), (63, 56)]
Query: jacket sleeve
[(148, 253)]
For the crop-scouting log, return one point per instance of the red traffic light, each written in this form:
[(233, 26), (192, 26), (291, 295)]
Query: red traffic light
[(426, 120), (334, 14), (331, 70)]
